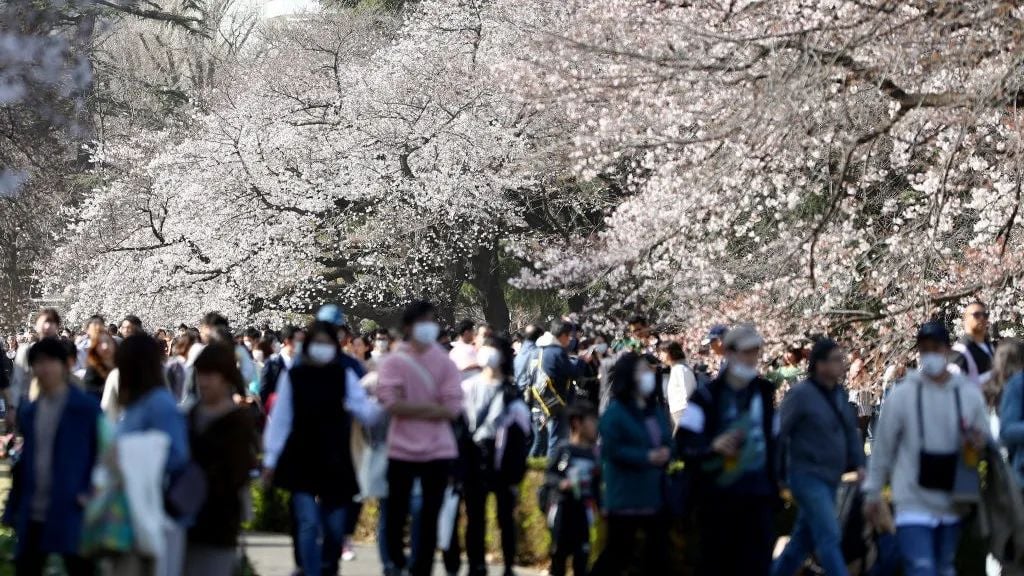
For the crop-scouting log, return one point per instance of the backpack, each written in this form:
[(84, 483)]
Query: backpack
[(508, 454), (176, 380), (543, 390)]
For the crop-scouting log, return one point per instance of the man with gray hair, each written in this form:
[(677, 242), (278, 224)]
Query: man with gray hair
[(727, 437)]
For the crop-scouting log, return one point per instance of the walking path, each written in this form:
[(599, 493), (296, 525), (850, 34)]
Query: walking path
[(271, 555)]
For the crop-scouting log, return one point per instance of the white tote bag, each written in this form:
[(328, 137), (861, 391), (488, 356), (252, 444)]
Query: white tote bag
[(446, 519)]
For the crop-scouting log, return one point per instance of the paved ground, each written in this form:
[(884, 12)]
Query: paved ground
[(271, 555)]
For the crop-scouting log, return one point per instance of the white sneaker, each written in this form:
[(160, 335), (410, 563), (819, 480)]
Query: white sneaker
[(348, 554)]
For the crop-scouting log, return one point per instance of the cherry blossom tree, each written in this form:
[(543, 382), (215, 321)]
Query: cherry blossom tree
[(358, 158), (830, 165), (47, 94)]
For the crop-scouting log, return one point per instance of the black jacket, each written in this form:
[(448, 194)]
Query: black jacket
[(272, 370), (94, 383), (317, 457), (982, 359), (694, 442), (224, 450)]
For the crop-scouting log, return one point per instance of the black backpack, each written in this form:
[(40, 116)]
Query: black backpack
[(506, 456)]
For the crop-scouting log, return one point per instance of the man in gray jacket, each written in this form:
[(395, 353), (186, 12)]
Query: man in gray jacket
[(818, 442)]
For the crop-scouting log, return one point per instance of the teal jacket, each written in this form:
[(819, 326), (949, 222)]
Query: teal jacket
[(632, 485)]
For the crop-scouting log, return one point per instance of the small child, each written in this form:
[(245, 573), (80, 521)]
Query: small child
[(569, 495)]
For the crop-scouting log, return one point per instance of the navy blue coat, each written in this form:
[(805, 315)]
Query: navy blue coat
[(75, 451)]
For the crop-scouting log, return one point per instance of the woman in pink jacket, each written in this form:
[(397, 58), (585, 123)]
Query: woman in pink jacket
[(420, 387)]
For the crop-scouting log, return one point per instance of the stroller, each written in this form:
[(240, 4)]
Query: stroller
[(867, 552)]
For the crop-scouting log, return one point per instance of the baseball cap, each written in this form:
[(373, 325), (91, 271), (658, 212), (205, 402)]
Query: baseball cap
[(331, 314), (934, 331), (717, 332), (742, 338)]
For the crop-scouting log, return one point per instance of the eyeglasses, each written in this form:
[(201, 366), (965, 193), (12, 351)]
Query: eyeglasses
[(980, 314)]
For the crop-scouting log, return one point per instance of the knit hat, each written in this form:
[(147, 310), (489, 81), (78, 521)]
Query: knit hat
[(820, 352), (743, 338)]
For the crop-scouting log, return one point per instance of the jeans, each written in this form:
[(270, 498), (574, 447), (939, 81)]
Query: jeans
[(433, 477), (540, 436), (928, 551), (558, 431), (817, 528), (320, 532), (888, 561)]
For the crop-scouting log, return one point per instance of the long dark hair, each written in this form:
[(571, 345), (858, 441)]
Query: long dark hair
[(140, 368), (219, 358), (624, 378)]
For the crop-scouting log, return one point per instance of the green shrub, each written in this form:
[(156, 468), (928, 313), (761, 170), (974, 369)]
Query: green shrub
[(270, 511)]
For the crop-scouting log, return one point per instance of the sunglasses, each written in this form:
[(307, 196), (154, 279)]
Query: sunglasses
[(980, 314)]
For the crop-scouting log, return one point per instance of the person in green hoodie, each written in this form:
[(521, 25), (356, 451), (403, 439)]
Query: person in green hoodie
[(634, 453)]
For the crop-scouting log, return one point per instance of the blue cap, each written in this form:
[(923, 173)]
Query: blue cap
[(331, 314), (717, 332)]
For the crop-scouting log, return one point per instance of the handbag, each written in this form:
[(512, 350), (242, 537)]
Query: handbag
[(187, 493), (107, 523), (373, 473), (947, 471), (446, 519)]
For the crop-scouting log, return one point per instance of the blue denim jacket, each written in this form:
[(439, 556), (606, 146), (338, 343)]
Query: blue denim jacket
[(157, 410), (1011, 423)]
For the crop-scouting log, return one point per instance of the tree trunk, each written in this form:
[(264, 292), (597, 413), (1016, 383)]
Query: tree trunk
[(488, 281)]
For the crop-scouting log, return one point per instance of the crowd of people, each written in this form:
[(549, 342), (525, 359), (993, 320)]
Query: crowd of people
[(134, 446)]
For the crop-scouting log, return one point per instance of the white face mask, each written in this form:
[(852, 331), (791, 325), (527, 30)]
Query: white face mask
[(646, 384), (321, 352), (933, 364), (488, 357), (601, 348), (425, 332), (742, 373)]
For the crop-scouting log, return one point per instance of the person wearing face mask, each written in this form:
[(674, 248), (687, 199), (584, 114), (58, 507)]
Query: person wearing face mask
[(420, 387), (278, 364), (636, 437), (727, 440), (553, 372), (307, 445), (497, 422), (925, 459)]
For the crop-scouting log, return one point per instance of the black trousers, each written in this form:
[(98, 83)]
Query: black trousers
[(475, 492), (580, 560), (737, 535), (620, 552), (433, 477), (32, 561), (570, 537)]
